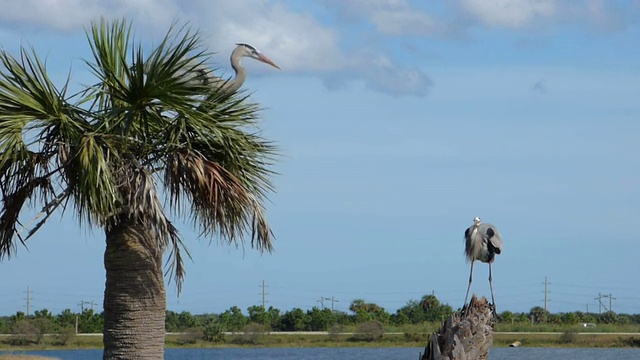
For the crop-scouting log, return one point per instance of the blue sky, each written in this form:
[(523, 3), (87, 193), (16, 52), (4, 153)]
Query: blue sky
[(399, 121)]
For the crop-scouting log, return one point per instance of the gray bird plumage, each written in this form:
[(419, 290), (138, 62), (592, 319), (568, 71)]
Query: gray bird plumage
[(482, 242), (201, 73)]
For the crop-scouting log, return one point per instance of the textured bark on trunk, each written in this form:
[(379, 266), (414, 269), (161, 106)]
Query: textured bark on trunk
[(464, 336), (134, 296)]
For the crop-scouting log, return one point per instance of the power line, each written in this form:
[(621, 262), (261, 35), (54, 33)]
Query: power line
[(332, 299)]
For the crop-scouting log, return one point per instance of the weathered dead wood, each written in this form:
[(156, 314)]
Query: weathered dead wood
[(467, 335)]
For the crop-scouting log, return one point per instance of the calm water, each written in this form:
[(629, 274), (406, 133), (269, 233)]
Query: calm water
[(352, 354)]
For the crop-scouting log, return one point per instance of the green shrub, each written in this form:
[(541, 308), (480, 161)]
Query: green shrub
[(568, 337), (369, 331), (252, 333)]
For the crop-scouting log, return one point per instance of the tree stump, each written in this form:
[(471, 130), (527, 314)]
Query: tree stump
[(467, 335)]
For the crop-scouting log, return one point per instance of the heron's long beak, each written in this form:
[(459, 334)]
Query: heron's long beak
[(266, 60)]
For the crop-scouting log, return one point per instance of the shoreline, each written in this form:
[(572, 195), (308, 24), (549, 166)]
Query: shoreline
[(320, 340)]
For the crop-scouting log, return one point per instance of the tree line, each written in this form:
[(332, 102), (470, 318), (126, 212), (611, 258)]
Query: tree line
[(426, 310)]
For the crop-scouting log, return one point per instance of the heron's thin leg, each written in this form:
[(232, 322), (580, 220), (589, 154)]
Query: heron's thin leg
[(469, 287), (493, 300)]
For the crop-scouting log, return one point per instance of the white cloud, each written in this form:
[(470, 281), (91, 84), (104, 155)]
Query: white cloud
[(299, 43), (599, 15), (295, 41), (391, 17), (509, 13), (73, 15), (381, 73), (305, 43)]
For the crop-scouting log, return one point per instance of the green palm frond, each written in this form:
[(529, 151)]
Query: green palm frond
[(147, 125)]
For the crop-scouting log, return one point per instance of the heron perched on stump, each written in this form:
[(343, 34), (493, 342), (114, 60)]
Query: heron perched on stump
[(482, 242)]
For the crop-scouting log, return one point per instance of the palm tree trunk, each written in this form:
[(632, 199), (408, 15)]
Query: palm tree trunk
[(134, 296)]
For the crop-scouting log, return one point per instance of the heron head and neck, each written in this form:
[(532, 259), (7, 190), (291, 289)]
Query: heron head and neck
[(244, 50), (250, 51)]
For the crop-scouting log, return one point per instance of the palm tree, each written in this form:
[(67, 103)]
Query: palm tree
[(140, 145)]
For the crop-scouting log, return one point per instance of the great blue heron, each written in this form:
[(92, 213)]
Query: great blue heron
[(205, 75), (482, 242)]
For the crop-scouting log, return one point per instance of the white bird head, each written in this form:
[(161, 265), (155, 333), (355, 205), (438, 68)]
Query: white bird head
[(250, 51), (476, 220)]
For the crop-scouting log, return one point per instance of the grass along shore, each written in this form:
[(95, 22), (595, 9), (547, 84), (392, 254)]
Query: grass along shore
[(414, 339)]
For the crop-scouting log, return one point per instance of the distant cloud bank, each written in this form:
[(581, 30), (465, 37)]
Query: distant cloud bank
[(337, 41)]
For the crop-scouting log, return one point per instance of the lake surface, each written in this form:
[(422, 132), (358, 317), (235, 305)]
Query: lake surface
[(350, 354)]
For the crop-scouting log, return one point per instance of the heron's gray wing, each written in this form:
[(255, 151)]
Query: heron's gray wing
[(493, 239)]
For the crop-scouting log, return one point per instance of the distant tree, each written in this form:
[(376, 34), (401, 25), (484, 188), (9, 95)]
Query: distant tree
[(399, 319), (569, 318), (429, 308), (213, 331), (295, 320), (18, 316), (233, 319), (608, 317), (23, 332), (507, 316), (186, 320), (43, 325), (538, 314), (5, 325), (554, 319), (412, 311), (634, 318), (90, 322), (364, 312), (44, 313), (275, 318), (320, 320), (429, 303), (342, 318), (171, 321), (65, 319), (586, 317), (439, 313), (258, 315), (356, 305), (623, 319)]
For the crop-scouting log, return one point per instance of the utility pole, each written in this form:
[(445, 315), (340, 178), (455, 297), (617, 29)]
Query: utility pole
[(611, 298), (599, 298), (264, 295), (321, 301), (83, 302), (610, 302), (333, 300), (545, 294), (28, 300)]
